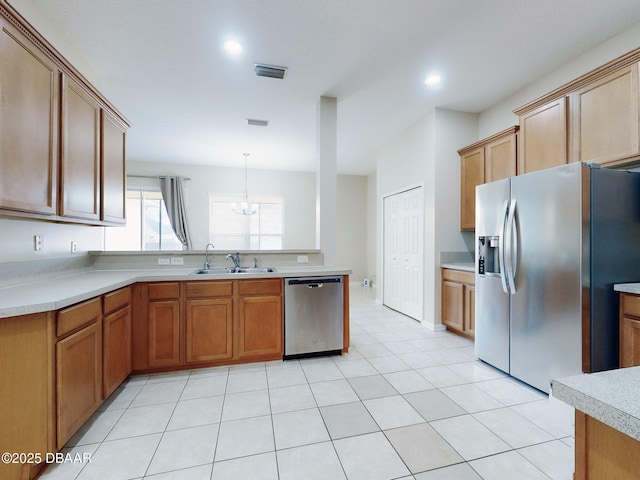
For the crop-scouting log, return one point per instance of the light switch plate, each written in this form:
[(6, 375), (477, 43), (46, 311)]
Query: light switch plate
[(164, 261), (303, 259), (177, 261)]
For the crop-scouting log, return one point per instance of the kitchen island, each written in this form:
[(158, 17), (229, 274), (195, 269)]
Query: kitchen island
[(607, 424)]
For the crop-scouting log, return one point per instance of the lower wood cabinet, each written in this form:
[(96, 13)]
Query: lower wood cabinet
[(78, 378), (208, 321), (116, 340), (27, 389), (629, 330), (163, 317), (602, 452), (458, 301), (260, 319)]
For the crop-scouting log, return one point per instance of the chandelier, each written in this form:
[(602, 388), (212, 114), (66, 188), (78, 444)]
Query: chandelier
[(245, 208)]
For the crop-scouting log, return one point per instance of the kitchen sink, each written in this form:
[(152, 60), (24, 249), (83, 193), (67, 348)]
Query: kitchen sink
[(228, 270)]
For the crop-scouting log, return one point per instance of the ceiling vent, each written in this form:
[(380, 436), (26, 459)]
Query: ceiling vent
[(258, 123), (270, 71)]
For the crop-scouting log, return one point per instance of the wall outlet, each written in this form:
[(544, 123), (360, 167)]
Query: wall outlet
[(366, 282), (74, 247), (164, 261), (38, 243), (303, 259), (177, 261)]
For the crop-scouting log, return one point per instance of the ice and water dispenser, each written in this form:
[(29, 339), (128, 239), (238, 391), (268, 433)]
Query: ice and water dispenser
[(488, 255)]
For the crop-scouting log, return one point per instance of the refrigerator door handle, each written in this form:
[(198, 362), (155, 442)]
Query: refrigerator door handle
[(512, 250), (501, 248)]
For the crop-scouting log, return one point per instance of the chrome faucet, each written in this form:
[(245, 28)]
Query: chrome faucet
[(207, 263), (235, 258)]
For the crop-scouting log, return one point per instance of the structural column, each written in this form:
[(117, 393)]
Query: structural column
[(326, 178)]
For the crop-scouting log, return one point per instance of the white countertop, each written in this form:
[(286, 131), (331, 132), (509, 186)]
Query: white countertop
[(627, 288), (466, 266), (610, 397), (59, 292)]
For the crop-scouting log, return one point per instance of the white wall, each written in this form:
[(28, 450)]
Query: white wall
[(298, 189), (372, 228), (351, 225), (16, 239), (426, 153)]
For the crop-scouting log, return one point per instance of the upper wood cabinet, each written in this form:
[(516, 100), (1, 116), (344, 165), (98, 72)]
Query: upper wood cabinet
[(79, 152), (501, 157), (29, 97), (62, 144), (492, 158), (114, 176), (604, 119), (594, 118), (543, 137), (472, 174)]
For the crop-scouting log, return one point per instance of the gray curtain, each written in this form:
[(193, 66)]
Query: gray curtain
[(173, 194)]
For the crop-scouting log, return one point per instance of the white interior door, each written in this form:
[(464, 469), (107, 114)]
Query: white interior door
[(403, 252)]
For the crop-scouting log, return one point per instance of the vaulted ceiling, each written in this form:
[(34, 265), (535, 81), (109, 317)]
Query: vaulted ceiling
[(161, 62)]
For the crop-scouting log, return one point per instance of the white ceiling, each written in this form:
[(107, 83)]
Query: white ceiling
[(162, 64)]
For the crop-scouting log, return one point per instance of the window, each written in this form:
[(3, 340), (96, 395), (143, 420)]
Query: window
[(260, 231), (148, 226)]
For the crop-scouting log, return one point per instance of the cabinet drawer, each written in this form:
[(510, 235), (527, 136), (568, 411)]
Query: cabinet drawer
[(630, 304), (159, 291), (460, 276), (272, 286), (72, 318), (115, 300), (209, 289)]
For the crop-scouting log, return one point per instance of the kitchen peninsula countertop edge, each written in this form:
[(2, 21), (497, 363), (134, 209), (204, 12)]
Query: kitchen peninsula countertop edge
[(60, 292), (610, 397)]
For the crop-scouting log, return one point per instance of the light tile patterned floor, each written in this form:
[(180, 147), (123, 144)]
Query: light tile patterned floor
[(405, 403)]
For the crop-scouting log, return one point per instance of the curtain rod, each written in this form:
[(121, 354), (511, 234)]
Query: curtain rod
[(155, 176)]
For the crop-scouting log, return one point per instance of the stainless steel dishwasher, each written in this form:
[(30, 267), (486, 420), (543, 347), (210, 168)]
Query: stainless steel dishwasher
[(313, 316)]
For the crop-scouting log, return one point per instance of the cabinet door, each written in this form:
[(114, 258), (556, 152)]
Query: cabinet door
[(471, 175), (26, 387), (164, 333), (470, 310), (260, 327), (604, 118), (29, 90), (453, 304), (80, 153), (78, 379), (543, 137), (113, 156), (116, 337), (209, 330), (629, 342), (500, 158)]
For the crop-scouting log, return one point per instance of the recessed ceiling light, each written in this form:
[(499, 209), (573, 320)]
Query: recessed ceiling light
[(431, 80), (232, 47)]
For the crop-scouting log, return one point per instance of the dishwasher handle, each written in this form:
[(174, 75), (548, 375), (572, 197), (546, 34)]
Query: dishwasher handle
[(313, 282)]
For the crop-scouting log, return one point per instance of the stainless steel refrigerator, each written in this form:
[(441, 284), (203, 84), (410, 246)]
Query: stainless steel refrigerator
[(549, 247)]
